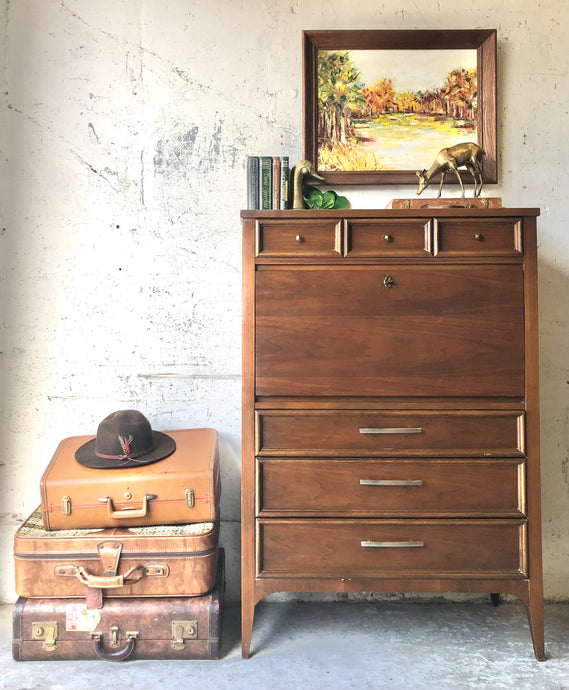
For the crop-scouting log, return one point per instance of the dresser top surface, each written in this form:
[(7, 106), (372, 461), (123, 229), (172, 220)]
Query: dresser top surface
[(390, 213)]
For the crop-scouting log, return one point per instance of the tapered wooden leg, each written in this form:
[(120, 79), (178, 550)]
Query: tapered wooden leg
[(534, 608), (247, 616)]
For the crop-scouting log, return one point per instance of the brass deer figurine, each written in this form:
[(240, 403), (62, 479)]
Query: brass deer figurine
[(466, 155)]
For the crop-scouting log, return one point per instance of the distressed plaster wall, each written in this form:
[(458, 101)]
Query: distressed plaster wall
[(125, 129)]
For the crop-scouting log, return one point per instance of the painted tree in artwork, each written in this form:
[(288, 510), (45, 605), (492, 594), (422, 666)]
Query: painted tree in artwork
[(380, 98), (339, 94), (459, 93), (407, 102)]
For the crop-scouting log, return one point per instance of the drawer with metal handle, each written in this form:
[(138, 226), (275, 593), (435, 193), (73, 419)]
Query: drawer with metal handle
[(391, 548), (393, 237), (364, 433), (474, 236), (327, 487), (283, 238)]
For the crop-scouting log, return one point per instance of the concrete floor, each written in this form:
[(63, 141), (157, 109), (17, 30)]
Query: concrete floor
[(336, 646)]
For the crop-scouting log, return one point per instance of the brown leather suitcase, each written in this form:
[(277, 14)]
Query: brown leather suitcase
[(182, 488), (164, 560), (154, 628)]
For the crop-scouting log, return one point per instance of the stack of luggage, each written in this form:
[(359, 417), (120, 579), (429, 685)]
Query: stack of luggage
[(122, 559)]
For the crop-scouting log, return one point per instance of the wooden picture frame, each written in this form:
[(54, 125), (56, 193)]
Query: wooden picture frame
[(479, 46)]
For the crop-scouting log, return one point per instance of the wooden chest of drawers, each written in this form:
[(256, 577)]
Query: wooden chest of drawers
[(390, 405)]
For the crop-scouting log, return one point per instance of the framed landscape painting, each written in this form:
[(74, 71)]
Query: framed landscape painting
[(379, 105)]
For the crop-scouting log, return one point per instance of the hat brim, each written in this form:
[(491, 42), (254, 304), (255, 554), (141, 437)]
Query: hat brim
[(164, 446)]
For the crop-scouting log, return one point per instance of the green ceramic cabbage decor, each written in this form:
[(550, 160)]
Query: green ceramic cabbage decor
[(316, 199)]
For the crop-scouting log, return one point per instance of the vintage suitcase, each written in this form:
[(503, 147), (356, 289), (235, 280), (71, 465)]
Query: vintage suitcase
[(162, 560), (182, 488), (154, 628)]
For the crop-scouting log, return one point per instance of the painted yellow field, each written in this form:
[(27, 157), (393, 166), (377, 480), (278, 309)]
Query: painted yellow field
[(395, 142)]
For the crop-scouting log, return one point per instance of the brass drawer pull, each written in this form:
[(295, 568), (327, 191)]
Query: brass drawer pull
[(388, 282), (299, 238), (392, 430), (388, 238), (478, 237), (391, 482), (392, 544)]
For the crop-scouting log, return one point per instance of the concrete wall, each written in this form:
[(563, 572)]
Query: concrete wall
[(126, 125)]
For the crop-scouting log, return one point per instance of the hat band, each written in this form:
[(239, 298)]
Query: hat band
[(127, 456)]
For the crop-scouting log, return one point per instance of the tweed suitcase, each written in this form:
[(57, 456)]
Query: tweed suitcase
[(154, 628), (182, 488), (151, 561)]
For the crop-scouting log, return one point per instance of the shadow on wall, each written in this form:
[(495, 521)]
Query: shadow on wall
[(554, 387)]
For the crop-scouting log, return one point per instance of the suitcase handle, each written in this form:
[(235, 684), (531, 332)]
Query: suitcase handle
[(121, 654), (104, 582), (127, 513)]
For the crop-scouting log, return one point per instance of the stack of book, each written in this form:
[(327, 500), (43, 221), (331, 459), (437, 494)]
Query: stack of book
[(268, 182)]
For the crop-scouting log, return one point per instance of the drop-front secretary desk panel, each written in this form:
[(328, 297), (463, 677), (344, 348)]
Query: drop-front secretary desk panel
[(390, 405)]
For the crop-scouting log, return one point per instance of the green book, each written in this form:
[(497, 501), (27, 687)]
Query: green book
[(266, 182)]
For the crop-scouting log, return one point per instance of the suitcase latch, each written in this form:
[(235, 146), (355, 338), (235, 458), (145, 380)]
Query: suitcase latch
[(156, 570), (46, 631), (66, 505), (114, 637), (65, 571), (183, 630), (190, 498)]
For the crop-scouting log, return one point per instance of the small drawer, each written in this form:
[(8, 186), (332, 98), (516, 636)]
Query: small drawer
[(313, 238), (387, 488), (363, 433), (388, 238), (478, 236), (388, 548)]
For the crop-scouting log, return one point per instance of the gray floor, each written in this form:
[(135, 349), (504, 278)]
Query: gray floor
[(333, 646)]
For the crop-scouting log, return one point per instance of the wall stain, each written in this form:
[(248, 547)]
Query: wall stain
[(80, 19), (11, 517), (215, 145), (93, 133), (199, 148), (175, 153), (94, 170), (142, 174)]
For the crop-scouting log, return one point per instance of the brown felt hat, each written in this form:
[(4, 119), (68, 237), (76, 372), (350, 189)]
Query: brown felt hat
[(125, 439)]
